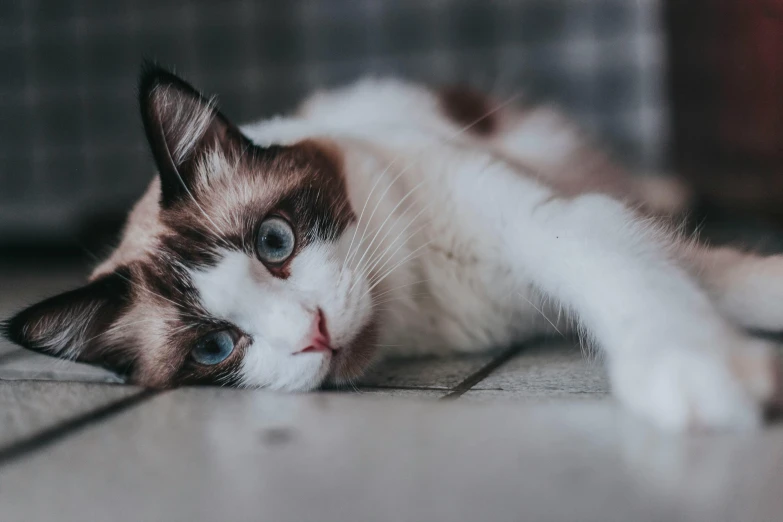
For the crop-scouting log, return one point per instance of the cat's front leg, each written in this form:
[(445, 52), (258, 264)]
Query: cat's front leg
[(672, 357)]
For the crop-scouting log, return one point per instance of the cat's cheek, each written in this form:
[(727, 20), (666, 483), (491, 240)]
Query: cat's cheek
[(351, 361)]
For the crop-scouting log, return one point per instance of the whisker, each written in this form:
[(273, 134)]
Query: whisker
[(396, 221), (400, 298), (541, 312), (351, 254), (391, 213), (373, 275), (366, 201), (369, 268), (375, 209), (400, 287), (404, 260), (216, 229), (391, 256), (142, 287)]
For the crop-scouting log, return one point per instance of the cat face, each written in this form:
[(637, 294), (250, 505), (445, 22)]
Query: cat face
[(230, 270)]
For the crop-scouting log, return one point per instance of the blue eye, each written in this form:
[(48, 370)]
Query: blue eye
[(213, 348), (275, 242)]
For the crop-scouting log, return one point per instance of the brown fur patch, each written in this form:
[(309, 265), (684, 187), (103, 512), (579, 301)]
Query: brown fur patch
[(466, 106)]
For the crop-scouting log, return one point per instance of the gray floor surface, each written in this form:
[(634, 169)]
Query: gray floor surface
[(528, 433)]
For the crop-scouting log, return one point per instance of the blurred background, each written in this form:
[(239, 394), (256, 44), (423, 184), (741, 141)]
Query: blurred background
[(690, 87)]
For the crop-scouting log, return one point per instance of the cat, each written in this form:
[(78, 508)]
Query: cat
[(385, 217)]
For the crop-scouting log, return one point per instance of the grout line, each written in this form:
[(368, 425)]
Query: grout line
[(482, 373), (392, 387), (49, 436)]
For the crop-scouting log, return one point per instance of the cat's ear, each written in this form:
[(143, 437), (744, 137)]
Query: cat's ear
[(181, 125), (71, 325)]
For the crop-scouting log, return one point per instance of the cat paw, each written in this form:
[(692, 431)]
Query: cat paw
[(682, 389)]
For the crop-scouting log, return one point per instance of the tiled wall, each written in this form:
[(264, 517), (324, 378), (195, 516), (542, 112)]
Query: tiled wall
[(71, 146)]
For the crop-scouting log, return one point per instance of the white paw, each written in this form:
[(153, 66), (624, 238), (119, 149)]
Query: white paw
[(680, 388)]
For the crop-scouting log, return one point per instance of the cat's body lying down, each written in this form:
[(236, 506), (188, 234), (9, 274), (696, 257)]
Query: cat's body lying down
[(388, 218)]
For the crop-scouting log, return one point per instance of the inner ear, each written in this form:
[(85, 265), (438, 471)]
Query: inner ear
[(181, 126), (72, 325)]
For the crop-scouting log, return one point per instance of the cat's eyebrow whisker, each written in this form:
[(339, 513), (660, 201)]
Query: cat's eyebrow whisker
[(520, 294), (350, 255), (131, 282), (113, 329), (177, 306), (394, 224), (241, 155), (144, 288), (390, 258), (406, 259), (388, 297), (120, 326), (370, 267), (399, 298), (400, 287), (363, 271), (216, 229), (380, 199), (391, 213), (361, 214), (368, 270)]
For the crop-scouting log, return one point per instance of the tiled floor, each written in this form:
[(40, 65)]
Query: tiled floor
[(526, 434)]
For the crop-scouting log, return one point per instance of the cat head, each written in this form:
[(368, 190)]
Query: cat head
[(230, 270)]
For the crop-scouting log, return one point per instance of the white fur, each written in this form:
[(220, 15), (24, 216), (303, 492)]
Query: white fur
[(543, 138), (278, 314), (472, 254)]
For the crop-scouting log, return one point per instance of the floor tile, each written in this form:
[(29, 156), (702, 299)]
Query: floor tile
[(214, 454), (430, 372), (406, 393), (27, 365), (521, 396), (553, 369), (28, 407)]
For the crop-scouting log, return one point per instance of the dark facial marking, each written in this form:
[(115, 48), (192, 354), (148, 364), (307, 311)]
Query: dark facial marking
[(77, 319)]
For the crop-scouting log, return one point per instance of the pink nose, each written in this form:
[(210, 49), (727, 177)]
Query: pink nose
[(320, 336)]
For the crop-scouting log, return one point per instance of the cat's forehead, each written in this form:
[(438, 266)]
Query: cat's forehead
[(303, 183), (228, 197)]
